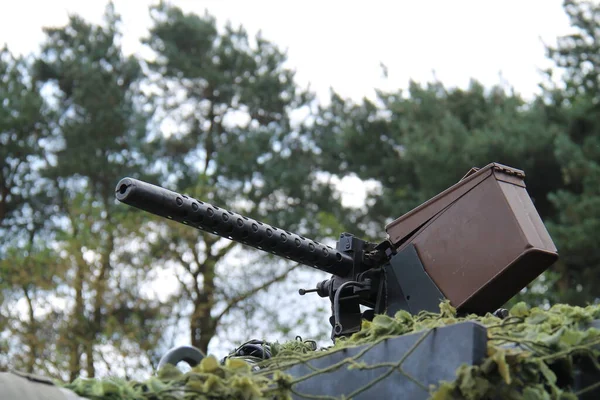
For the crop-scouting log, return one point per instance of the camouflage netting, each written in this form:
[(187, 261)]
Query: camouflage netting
[(532, 354)]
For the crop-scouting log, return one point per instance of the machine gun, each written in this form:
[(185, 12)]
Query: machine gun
[(476, 244)]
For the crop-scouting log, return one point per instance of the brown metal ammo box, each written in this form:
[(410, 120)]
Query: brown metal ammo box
[(480, 241)]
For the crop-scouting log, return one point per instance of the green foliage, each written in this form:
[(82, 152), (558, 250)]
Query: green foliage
[(211, 116), (94, 86), (577, 151), (28, 266), (22, 131), (412, 145), (577, 54), (418, 144), (548, 347), (83, 288), (531, 354), (228, 98), (231, 97), (209, 380), (84, 271)]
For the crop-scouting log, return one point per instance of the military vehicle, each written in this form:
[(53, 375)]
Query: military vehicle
[(474, 246)]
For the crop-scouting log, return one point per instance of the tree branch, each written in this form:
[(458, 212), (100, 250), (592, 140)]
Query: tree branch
[(192, 245), (241, 297), (100, 283), (31, 332), (186, 266), (183, 284), (221, 253)]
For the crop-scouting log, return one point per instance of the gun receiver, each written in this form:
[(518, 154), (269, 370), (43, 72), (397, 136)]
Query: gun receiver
[(476, 244)]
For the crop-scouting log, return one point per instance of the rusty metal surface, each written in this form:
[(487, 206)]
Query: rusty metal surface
[(481, 241)]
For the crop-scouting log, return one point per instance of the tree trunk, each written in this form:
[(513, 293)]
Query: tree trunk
[(74, 361), (564, 282), (3, 202), (89, 355), (31, 337), (203, 328), (78, 315), (95, 326), (202, 324)]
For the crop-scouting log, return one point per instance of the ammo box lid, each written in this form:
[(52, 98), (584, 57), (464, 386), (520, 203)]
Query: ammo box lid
[(403, 226)]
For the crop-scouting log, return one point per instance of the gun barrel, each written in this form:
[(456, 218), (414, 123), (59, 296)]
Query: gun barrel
[(206, 217)]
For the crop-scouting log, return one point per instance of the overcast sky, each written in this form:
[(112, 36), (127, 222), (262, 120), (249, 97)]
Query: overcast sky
[(340, 44)]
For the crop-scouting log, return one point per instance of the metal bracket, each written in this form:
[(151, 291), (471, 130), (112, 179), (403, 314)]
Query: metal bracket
[(409, 286)]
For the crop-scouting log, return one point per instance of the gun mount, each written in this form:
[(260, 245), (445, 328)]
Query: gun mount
[(476, 244)]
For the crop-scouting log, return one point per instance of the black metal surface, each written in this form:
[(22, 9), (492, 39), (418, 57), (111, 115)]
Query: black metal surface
[(583, 370), (221, 222), (409, 286), (434, 359), (586, 374)]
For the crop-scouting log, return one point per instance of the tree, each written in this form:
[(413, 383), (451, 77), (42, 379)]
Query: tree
[(415, 145), (228, 99), (27, 263), (98, 137), (410, 146), (575, 229)]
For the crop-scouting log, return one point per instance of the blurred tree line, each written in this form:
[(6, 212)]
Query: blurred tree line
[(90, 287)]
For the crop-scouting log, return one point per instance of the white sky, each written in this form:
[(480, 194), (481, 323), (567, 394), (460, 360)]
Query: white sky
[(340, 44)]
